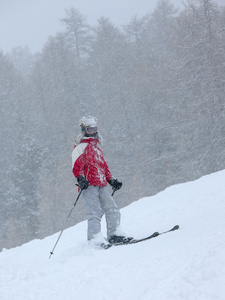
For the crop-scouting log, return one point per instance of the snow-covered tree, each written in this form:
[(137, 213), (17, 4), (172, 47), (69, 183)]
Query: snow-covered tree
[(22, 59), (157, 88), (78, 33)]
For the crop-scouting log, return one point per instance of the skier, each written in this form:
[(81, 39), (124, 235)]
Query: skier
[(93, 174)]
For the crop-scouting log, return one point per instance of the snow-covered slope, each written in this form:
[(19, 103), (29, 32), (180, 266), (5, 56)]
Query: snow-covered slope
[(185, 264)]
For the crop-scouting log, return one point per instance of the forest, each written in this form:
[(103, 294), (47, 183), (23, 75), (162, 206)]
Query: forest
[(157, 88)]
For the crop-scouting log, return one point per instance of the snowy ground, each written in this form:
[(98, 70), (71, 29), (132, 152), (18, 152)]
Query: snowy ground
[(186, 264)]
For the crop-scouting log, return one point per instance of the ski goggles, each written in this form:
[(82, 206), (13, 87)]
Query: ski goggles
[(91, 130)]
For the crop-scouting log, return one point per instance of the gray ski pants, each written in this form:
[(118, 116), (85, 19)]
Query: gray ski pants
[(98, 201)]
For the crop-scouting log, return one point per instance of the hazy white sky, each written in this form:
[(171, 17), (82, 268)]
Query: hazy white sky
[(31, 22)]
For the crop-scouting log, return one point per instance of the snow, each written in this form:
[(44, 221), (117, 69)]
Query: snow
[(186, 264), (88, 121)]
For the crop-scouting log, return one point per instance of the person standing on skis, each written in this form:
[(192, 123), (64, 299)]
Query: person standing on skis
[(92, 174)]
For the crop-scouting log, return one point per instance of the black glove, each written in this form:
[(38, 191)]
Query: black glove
[(83, 183), (115, 184)]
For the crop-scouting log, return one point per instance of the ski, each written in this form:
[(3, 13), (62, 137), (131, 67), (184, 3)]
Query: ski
[(135, 241)]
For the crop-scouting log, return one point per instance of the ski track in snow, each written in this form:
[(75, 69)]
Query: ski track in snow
[(186, 264)]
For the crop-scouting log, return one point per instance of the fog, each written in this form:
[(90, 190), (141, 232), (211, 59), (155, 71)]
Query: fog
[(30, 22), (156, 86)]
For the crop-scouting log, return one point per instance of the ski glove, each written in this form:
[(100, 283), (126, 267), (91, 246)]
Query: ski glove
[(83, 183), (115, 184)]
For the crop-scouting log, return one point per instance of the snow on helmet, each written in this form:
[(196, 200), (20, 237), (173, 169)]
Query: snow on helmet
[(88, 121)]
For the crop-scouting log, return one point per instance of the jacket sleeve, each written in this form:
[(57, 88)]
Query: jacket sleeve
[(107, 172), (78, 160)]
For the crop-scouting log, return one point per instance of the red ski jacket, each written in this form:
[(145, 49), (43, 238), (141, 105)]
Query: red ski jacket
[(88, 161)]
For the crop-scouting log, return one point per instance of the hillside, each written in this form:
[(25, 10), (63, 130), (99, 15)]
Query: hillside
[(186, 264)]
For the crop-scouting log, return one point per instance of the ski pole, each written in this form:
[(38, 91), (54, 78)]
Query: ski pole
[(52, 252), (114, 189)]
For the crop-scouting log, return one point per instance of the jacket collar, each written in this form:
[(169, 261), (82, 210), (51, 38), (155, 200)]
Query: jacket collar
[(89, 140)]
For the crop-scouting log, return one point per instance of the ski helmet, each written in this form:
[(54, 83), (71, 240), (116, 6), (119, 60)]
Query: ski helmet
[(88, 121), (89, 125)]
